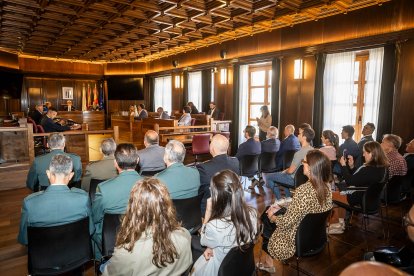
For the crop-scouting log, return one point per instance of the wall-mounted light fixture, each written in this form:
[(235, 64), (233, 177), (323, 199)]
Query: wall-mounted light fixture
[(223, 75), (177, 81), (298, 69), (175, 63), (223, 54)]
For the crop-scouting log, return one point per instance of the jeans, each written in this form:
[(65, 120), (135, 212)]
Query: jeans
[(273, 178)]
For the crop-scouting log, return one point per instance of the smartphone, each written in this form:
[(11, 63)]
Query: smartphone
[(345, 154)]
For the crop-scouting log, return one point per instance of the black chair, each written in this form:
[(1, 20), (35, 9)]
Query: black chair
[(238, 262), (392, 196), (92, 188), (150, 173), (110, 227), (249, 166), (311, 237), (287, 158), (189, 212), (267, 162), (58, 249), (298, 179)]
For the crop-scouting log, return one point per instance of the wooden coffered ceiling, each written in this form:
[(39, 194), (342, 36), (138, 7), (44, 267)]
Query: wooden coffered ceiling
[(132, 30)]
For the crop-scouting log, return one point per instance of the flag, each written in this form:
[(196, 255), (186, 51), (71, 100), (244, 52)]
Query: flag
[(95, 96), (84, 108), (89, 103), (101, 95)]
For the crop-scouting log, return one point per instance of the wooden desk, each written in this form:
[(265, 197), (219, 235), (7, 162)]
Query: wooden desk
[(94, 119), (201, 119), (130, 130)]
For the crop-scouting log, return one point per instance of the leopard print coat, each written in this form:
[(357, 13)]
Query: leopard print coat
[(282, 242)]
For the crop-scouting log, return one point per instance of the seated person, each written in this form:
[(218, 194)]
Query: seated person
[(373, 171), (272, 143), (221, 161), (150, 240), (330, 142), (185, 119), (37, 178), (37, 114), (214, 112), (312, 197), (226, 211), (133, 111), (287, 176), (152, 157), (290, 142), (250, 146), (50, 126), (103, 169), (367, 131), (397, 164), (162, 114), (193, 108), (349, 146), (112, 195), (409, 156), (142, 112), (58, 204), (181, 181)]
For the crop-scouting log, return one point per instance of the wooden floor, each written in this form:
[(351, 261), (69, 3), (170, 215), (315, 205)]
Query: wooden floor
[(345, 249)]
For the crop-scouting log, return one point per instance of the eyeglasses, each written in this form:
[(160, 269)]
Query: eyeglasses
[(406, 221)]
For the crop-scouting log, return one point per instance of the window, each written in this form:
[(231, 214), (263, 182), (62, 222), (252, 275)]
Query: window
[(352, 84), (162, 93), (194, 88)]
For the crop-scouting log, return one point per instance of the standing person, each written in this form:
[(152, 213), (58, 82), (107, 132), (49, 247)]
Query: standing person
[(58, 204), (193, 108), (185, 119), (150, 241), (214, 112), (103, 169), (142, 112), (390, 144), (330, 142), (312, 197), (264, 122), (230, 222)]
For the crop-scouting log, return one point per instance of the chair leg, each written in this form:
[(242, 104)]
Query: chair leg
[(382, 224), (297, 265)]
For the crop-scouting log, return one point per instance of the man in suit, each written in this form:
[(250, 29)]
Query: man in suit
[(152, 157), (272, 143), (367, 131), (349, 146), (250, 146), (37, 114), (142, 112), (103, 169), (112, 195), (163, 115), (50, 126), (214, 112), (37, 177), (58, 204), (221, 161), (181, 181), (290, 142), (409, 156)]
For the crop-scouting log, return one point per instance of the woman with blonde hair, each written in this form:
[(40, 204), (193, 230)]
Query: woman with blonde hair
[(150, 241)]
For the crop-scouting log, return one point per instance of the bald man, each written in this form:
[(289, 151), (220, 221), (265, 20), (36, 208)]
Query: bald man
[(151, 159), (221, 161), (291, 142)]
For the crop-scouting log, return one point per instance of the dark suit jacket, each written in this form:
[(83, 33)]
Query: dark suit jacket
[(194, 110), (56, 205), (216, 113), (270, 145), (289, 143), (142, 115), (50, 126), (250, 147), (211, 167), (36, 116), (410, 161), (363, 140)]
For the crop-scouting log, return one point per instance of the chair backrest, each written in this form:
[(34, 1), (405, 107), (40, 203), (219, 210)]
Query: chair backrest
[(201, 143), (238, 262), (110, 227), (150, 173), (92, 187), (300, 178), (408, 181), (371, 199), (31, 121), (58, 249), (40, 129), (193, 121), (189, 211), (311, 234), (249, 165), (392, 191), (267, 162), (287, 158)]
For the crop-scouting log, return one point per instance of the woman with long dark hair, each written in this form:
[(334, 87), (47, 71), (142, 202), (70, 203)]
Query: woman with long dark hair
[(312, 197), (330, 140), (264, 122), (230, 222), (150, 241)]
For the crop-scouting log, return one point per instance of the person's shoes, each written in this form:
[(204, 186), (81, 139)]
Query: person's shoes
[(335, 229), (280, 202), (270, 269), (288, 200)]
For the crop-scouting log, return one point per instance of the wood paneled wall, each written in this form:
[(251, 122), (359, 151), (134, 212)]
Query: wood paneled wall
[(60, 67)]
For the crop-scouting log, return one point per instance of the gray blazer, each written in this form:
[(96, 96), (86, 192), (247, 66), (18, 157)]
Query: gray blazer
[(151, 158)]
